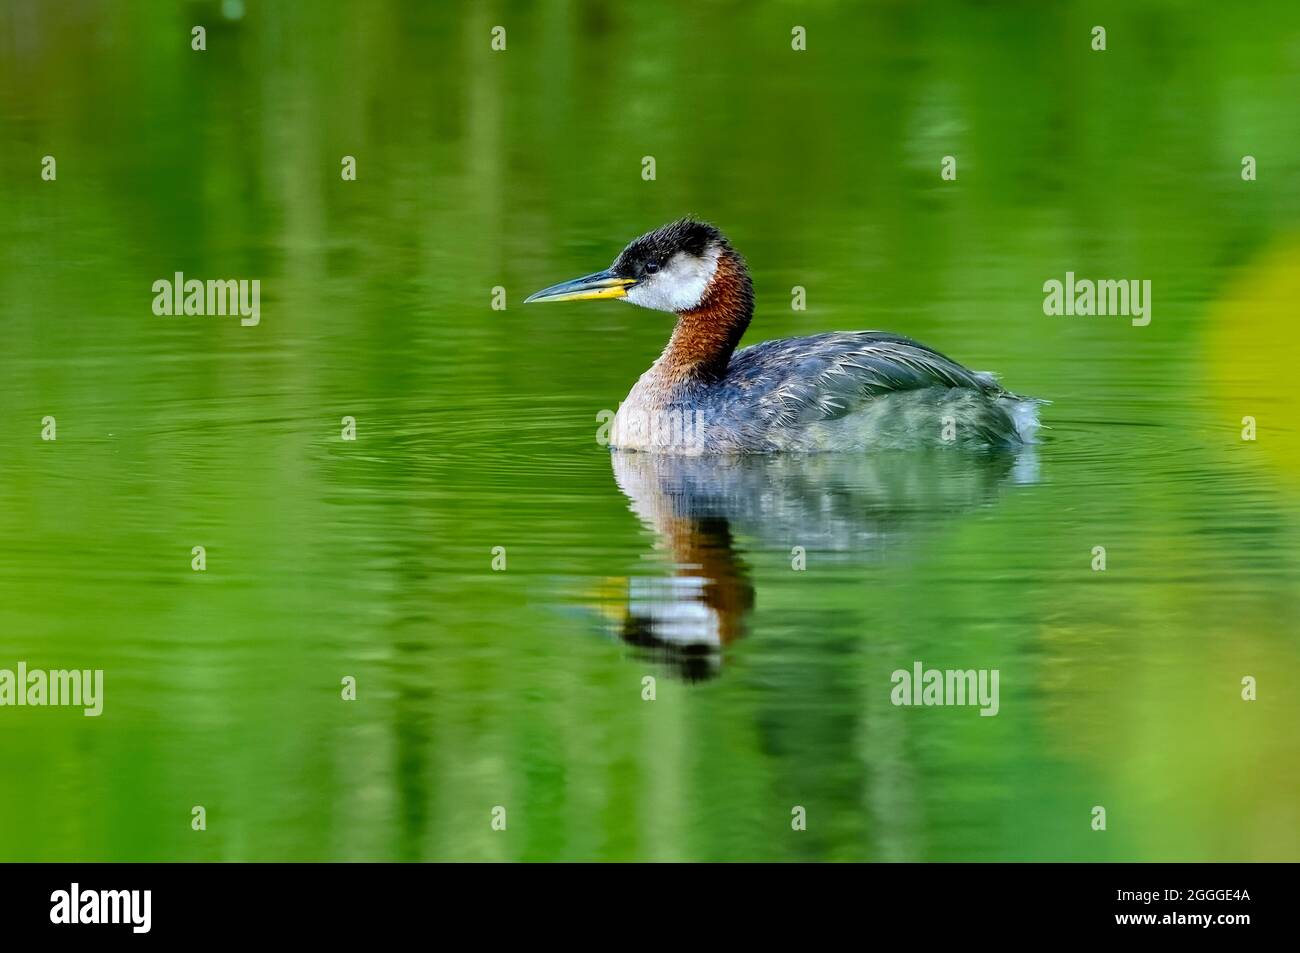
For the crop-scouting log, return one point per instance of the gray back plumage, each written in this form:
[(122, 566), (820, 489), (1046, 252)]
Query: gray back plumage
[(823, 392)]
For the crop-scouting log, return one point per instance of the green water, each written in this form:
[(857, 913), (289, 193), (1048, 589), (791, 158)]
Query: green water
[(476, 429)]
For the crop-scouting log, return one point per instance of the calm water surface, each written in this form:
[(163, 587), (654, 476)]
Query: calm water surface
[(476, 429)]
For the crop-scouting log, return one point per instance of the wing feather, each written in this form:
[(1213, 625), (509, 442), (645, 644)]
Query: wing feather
[(827, 376)]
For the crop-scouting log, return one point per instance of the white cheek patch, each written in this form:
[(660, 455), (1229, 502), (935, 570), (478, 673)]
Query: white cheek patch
[(679, 285)]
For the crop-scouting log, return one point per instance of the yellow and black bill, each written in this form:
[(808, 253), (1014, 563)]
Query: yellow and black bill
[(602, 284)]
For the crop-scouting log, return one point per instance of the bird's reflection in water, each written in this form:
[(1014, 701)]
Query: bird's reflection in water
[(840, 506)]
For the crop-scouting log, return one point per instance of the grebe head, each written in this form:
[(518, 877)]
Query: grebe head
[(686, 268), (672, 268)]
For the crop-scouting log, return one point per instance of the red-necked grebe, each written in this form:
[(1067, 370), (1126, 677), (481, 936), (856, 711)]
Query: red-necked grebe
[(837, 391)]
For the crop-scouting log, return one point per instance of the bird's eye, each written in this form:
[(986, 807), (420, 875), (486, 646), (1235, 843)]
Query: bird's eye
[(651, 267)]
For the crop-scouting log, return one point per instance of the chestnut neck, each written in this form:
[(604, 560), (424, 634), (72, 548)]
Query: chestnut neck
[(705, 336)]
